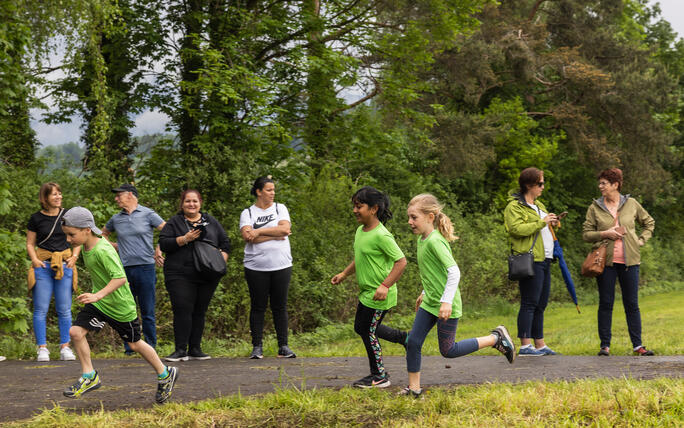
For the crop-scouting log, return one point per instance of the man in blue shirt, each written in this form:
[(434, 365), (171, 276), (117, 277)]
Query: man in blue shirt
[(134, 226)]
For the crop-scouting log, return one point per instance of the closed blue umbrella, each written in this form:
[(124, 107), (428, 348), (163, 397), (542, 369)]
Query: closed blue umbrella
[(558, 255)]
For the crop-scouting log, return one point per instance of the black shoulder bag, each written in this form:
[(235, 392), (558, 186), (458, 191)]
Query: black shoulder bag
[(521, 266), (208, 259)]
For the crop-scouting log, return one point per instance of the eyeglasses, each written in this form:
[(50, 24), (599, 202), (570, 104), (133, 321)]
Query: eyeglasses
[(540, 184), (603, 183)]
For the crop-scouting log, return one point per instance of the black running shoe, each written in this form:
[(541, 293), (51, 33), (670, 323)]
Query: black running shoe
[(178, 355), (504, 344), (165, 386), (257, 353), (373, 381), (82, 386), (285, 352), (197, 354), (604, 352)]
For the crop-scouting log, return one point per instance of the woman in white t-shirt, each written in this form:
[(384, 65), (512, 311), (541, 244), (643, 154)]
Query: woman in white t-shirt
[(265, 227)]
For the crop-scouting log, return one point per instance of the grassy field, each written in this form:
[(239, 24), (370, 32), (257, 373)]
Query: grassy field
[(599, 403), (566, 331)]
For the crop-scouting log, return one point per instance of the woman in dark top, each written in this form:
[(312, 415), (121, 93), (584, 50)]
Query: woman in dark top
[(190, 290), (52, 269)]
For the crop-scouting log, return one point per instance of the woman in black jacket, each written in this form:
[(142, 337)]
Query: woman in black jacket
[(190, 290)]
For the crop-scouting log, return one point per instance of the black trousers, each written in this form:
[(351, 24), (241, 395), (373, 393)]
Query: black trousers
[(368, 325), (262, 286), (190, 297), (629, 283)]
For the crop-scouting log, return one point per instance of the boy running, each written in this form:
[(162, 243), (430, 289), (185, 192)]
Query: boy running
[(111, 302)]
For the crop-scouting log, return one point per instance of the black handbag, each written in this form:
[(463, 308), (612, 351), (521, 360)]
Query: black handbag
[(208, 259), (521, 266)]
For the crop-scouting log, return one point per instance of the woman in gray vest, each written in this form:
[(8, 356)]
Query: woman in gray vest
[(265, 227)]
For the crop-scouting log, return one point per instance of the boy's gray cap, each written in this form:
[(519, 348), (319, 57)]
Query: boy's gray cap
[(80, 217)]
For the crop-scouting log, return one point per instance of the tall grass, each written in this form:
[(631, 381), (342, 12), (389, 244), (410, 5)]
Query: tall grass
[(598, 403)]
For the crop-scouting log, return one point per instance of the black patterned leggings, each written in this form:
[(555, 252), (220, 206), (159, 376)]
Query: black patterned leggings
[(368, 325)]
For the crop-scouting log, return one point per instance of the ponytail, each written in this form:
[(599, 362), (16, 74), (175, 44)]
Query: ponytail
[(446, 228), (428, 204), (373, 197)]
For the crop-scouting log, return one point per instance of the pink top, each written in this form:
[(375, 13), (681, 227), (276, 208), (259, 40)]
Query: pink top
[(619, 247)]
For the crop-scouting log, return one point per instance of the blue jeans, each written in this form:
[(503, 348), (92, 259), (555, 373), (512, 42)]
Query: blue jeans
[(446, 333), (629, 283), (534, 296), (46, 286), (143, 280)]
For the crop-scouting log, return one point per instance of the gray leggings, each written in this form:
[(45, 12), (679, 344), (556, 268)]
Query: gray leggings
[(446, 333)]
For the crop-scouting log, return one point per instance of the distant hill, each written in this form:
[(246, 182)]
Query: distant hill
[(69, 156)]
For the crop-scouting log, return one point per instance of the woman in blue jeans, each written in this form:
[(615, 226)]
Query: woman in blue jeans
[(527, 222), (52, 270), (611, 220)]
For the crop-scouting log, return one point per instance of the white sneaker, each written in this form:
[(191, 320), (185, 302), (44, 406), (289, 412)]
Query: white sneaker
[(2, 358), (43, 354), (66, 354)]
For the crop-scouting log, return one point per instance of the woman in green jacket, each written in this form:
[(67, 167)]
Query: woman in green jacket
[(611, 220), (527, 219)]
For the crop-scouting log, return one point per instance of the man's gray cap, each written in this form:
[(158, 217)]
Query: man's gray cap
[(80, 217)]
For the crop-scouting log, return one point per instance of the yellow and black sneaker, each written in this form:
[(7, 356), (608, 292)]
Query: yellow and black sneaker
[(82, 386), (165, 386)]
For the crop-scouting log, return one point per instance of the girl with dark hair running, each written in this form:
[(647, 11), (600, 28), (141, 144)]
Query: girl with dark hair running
[(378, 263)]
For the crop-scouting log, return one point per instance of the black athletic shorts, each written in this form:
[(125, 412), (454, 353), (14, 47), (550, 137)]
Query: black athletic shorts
[(94, 319)]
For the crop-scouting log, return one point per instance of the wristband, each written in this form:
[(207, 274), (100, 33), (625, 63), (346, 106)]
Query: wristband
[(385, 285)]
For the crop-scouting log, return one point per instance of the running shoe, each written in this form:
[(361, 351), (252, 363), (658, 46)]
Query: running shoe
[(547, 351), (285, 352), (604, 352), (408, 392), (373, 381), (257, 353), (165, 386), (43, 354), (644, 352), (504, 343), (2, 358), (178, 355), (197, 354), (529, 351), (66, 354), (82, 385)]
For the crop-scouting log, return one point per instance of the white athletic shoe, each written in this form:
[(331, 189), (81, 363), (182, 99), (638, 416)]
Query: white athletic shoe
[(43, 354), (2, 358), (66, 354)]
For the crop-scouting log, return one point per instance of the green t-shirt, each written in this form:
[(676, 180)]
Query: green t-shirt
[(103, 264), (375, 252), (434, 258)]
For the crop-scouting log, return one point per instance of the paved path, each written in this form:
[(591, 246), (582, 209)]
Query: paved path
[(29, 386)]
